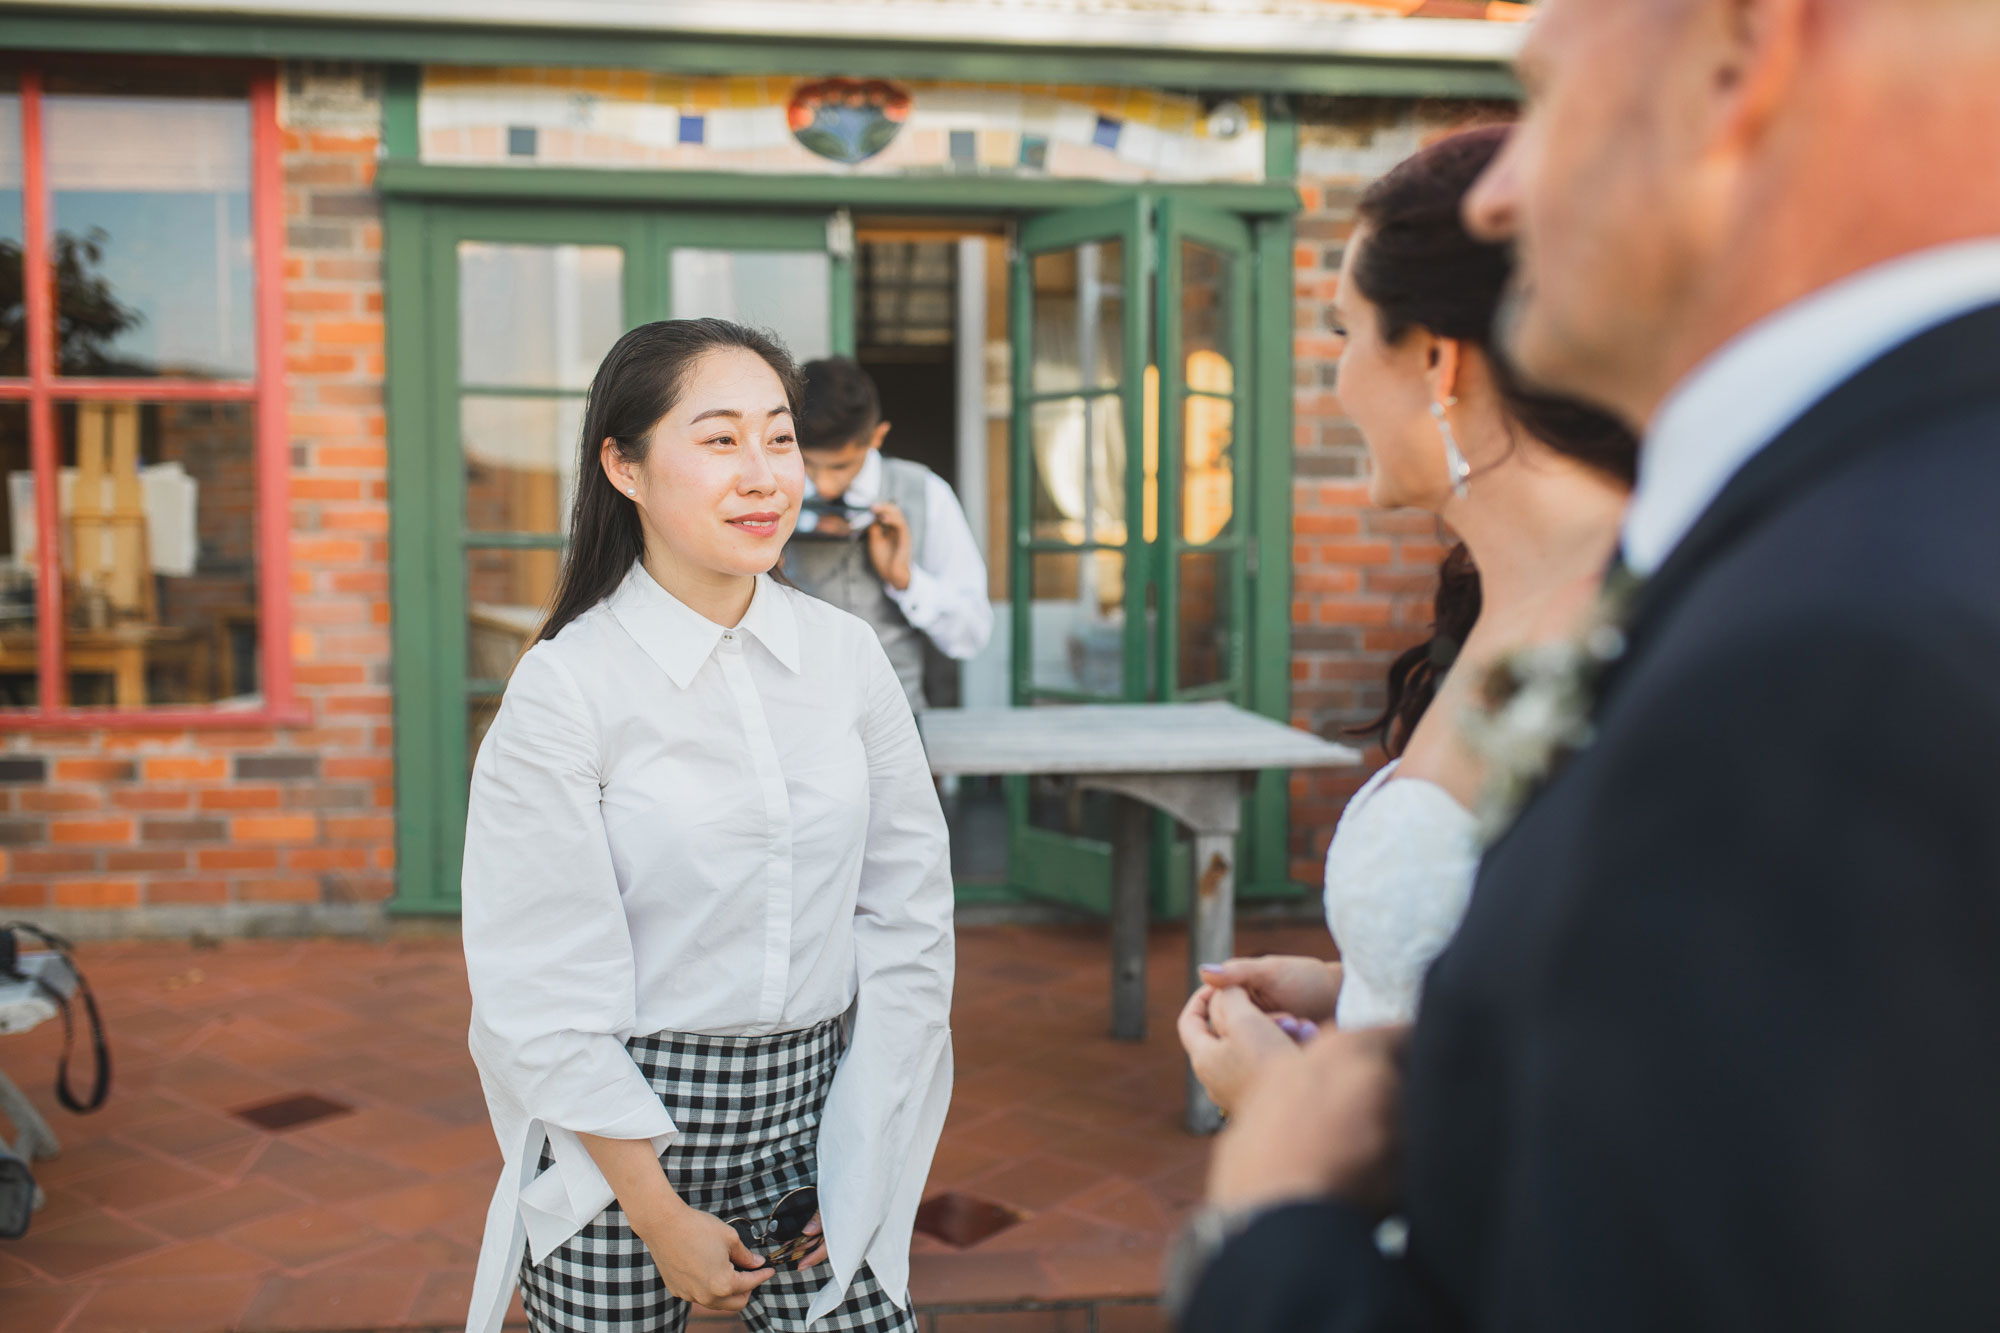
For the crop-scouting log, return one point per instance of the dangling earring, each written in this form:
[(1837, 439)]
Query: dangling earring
[(1461, 471)]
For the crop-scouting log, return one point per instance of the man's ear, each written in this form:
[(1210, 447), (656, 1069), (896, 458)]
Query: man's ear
[(1759, 46), (880, 434)]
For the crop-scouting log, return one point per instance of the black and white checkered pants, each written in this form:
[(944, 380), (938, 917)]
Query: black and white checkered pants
[(748, 1110)]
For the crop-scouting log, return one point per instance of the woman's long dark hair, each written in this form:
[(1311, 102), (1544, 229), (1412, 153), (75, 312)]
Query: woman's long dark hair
[(641, 379), (1421, 268)]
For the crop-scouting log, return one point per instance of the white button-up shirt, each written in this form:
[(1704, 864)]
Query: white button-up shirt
[(680, 827), (947, 598), (1746, 394)]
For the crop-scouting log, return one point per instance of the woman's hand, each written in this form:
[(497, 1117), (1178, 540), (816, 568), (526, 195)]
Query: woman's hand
[(1307, 988), (1231, 1043), (700, 1258), (818, 1256), (1325, 1123)]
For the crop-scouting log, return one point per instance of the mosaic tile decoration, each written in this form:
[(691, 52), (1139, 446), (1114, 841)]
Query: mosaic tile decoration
[(763, 124)]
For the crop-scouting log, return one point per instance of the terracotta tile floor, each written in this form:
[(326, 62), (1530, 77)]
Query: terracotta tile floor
[(166, 1213)]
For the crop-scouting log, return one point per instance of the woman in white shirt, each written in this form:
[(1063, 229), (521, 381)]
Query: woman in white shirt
[(707, 899)]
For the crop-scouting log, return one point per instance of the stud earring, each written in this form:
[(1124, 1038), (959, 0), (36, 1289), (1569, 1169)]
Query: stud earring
[(631, 490), (1454, 458)]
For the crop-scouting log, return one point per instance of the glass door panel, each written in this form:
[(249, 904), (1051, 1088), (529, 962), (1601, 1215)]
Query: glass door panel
[(1204, 290), (791, 275)]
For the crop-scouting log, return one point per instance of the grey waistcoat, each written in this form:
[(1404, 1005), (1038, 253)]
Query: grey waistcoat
[(838, 570)]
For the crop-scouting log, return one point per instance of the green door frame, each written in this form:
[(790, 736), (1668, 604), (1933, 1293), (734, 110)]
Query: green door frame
[(420, 198)]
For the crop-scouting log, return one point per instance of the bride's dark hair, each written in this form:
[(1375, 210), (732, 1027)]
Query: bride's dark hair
[(1421, 268)]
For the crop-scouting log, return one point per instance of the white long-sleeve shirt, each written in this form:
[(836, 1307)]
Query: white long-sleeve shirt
[(680, 827), (947, 597)]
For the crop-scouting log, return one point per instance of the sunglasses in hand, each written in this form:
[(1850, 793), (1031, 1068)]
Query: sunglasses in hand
[(782, 1238)]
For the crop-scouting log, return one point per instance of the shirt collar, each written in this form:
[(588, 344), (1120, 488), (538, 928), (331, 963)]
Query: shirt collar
[(1747, 393), (680, 639)]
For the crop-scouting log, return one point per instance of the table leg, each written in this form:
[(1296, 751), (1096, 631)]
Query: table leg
[(130, 681), (1130, 913), (1211, 939)]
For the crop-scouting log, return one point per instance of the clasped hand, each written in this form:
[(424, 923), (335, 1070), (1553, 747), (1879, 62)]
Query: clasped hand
[(1309, 1116)]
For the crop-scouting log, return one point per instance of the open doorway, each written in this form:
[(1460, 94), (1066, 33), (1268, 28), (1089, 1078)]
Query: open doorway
[(930, 304)]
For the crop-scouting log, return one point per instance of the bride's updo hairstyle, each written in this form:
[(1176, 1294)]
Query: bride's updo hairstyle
[(1421, 268)]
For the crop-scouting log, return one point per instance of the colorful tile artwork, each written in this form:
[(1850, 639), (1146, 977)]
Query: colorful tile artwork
[(783, 125)]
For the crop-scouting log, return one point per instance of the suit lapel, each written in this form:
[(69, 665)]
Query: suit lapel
[(1935, 375)]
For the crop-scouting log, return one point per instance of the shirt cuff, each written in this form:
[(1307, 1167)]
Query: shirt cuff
[(920, 601)]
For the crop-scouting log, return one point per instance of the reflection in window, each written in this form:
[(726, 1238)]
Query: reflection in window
[(20, 641), (158, 545), (1202, 641), (1079, 452), (520, 462), (1076, 625), (1208, 466), (13, 323), (789, 292), (537, 316), (150, 202), (1079, 318)]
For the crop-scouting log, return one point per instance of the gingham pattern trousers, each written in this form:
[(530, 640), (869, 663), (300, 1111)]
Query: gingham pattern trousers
[(748, 1110)]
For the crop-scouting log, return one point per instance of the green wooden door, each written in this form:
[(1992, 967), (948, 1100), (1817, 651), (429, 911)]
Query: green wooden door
[(1133, 347), (516, 308)]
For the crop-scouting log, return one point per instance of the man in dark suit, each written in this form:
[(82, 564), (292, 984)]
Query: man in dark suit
[(1718, 1046)]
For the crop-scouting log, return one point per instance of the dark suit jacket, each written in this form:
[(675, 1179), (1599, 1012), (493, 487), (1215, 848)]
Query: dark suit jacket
[(1718, 1045)]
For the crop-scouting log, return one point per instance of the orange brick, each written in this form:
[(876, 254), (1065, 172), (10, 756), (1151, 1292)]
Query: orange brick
[(242, 798), (325, 488), (373, 458), (174, 891), (237, 858), (327, 551), (95, 770), (148, 798), (328, 858), (41, 802), (325, 141), (347, 332), (97, 893), (275, 828), (361, 830), (379, 766), (187, 768), (306, 673), (145, 859), (279, 890), (22, 893), (73, 831)]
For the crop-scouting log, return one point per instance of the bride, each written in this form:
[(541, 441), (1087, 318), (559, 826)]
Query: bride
[(1535, 489)]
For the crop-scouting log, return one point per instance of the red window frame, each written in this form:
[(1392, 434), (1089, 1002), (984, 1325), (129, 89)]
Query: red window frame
[(43, 389)]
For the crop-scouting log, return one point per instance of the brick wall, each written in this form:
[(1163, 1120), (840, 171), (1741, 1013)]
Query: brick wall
[(242, 829), (1363, 579)]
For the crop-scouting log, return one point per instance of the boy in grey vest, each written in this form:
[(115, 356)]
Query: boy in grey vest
[(881, 537)]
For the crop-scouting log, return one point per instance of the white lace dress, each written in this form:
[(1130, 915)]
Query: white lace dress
[(1398, 876)]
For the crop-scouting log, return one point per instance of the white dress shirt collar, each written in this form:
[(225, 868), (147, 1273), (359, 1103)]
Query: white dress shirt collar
[(866, 488), (680, 639), (1747, 393)]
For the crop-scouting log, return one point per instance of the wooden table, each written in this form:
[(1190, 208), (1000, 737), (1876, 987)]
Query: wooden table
[(119, 651), (1194, 761)]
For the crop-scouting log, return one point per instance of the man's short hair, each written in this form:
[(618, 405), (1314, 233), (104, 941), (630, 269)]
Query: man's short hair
[(839, 406)]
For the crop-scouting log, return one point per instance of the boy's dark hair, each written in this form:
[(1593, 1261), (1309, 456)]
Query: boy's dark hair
[(839, 405)]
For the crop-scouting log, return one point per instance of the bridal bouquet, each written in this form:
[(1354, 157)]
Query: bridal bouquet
[(1535, 707)]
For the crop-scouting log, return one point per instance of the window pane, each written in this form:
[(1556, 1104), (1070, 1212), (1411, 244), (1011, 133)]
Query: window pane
[(539, 316), (520, 462), (506, 595), (1207, 338), (1076, 622), (159, 554), (1202, 642), (1079, 318), (13, 343), (788, 292), (1079, 456), (480, 710), (1208, 468), (151, 216), (19, 640)]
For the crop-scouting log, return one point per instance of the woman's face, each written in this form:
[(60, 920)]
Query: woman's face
[(718, 491), (1386, 390)]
